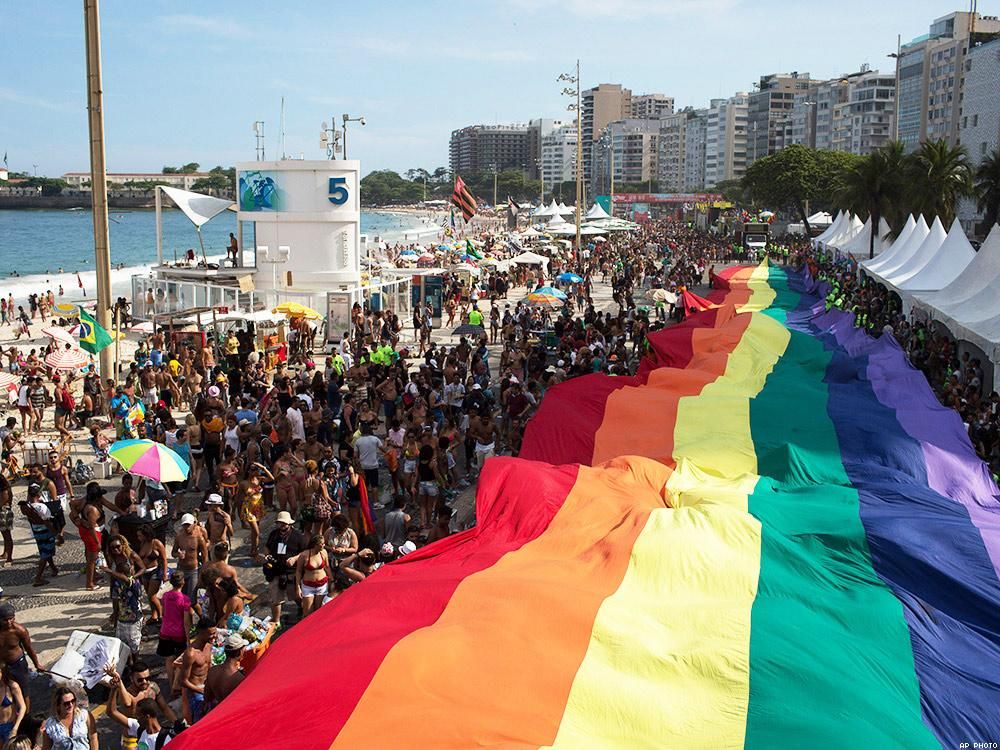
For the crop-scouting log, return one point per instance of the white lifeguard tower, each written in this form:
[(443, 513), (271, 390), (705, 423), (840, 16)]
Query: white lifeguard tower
[(299, 236)]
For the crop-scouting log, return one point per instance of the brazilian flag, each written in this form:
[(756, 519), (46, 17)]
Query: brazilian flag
[(472, 250), (93, 338)]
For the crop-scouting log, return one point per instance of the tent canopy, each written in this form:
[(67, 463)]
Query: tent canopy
[(948, 261), (902, 273), (197, 207), (830, 230), (903, 255), (890, 252), (982, 274), (597, 212)]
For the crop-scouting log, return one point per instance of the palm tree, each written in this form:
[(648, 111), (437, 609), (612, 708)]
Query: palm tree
[(988, 188), (939, 176), (873, 187)]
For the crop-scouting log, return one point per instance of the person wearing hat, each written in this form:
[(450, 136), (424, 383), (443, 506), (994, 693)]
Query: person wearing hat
[(283, 546), (16, 650), (218, 524), (191, 551), (224, 678)]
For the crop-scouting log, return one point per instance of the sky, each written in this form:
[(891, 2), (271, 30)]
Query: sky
[(184, 81)]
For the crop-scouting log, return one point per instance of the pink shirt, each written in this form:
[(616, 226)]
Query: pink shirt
[(175, 604)]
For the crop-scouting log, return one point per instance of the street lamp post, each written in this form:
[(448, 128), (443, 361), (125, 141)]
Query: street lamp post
[(347, 119), (575, 79), (494, 187), (895, 96)]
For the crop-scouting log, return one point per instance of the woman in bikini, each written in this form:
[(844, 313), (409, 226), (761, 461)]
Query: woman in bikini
[(312, 575), (252, 504), (154, 558), (12, 708), (314, 490), (286, 491), (228, 474)]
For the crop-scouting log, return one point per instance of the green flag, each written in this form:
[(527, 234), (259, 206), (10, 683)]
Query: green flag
[(93, 338)]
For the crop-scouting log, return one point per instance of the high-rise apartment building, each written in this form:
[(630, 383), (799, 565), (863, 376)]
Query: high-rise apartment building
[(670, 164), (559, 156), (652, 106), (483, 148), (726, 139), (695, 132), (600, 105), (769, 112), (537, 131), (930, 74), (636, 153), (979, 128)]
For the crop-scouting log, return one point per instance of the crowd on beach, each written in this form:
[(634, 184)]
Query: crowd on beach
[(311, 470)]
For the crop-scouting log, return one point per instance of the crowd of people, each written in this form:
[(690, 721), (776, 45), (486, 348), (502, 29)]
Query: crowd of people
[(308, 474), (956, 379), (314, 470)]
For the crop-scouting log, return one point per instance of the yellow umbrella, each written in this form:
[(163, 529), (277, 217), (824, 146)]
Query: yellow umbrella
[(67, 309), (295, 310)]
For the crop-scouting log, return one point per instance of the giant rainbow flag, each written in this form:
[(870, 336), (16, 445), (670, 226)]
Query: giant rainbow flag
[(772, 537)]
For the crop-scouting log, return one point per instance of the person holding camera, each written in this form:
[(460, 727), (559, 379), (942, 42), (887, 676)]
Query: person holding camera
[(283, 546)]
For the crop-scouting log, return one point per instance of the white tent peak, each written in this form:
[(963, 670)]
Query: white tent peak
[(597, 212), (199, 208), (947, 262)]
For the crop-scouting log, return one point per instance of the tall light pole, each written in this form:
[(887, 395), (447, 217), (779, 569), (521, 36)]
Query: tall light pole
[(898, 55), (98, 177), (347, 119), (494, 187), (575, 79), (541, 176)]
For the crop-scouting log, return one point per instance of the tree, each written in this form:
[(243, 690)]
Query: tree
[(988, 189), (385, 187), (48, 185), (190, 168), (218, 182), (873, 187), (795, 175), (939, 175)]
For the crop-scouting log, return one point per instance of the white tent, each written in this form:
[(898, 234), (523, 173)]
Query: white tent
[(889, 253), (948, 261), (531, 232), (529, 259), (974, 284), (557, 222), (851, 227), (566, 210), (902, 273), (831, 230), (861, 244), (820, 219), (551, 210), (197, 207), (902, 255), (597, 212), (843, 243)]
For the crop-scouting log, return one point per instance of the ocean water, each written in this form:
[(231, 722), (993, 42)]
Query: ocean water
[(36, 244)]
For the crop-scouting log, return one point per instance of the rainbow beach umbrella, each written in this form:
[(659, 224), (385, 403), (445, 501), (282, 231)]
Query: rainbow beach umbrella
[(147, 458)]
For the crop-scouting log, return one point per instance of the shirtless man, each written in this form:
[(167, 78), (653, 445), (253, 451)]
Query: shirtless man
[(16, 650), (484, 431), (218, 524), (147, 379), (195, 663), (226, 677), (219, 567), (191, 550), (140, 686)]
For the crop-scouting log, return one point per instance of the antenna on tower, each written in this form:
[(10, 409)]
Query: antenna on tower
[(282, 126), (258, 131)]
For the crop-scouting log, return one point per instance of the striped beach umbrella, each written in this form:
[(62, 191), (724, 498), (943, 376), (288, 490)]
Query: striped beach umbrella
[(67, 359), (147, 458)]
